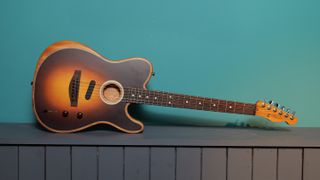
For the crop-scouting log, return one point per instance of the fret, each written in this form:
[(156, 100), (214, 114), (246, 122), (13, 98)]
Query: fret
[(222, 105), (198, 103), (202, 103), (186, 101), (206, 104), (230, 106), (169, 101), (158, 98), (214, 104), (166, 98), (243, 108), (234, 107), (239, 108), (163, 98), (181, 100), (193, 102)]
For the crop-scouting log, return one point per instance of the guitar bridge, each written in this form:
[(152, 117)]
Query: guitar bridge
[(74, 86)]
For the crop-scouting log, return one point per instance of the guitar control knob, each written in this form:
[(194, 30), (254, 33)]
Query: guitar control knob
[(65, 113), (79, 115)]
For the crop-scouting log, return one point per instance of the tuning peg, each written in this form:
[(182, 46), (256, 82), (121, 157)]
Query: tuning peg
[(270, 103), (282, 110), (263, 103), (275, 106), (288, 110), (292, 116)]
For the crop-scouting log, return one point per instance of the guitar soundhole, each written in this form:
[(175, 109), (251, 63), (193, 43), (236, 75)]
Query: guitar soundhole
[(111, 92)]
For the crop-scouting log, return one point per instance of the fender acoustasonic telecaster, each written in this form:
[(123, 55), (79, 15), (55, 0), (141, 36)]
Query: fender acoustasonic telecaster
[(74, 88)]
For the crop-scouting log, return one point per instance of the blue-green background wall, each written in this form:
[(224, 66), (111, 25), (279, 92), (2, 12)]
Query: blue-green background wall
[(239, 50)]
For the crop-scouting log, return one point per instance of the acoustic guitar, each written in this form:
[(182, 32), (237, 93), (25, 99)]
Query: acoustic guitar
[(74, 88)]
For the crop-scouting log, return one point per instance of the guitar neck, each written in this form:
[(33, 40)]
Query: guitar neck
[(160, 98)]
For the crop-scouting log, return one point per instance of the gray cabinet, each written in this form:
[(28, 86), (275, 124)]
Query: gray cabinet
[(161, 152)]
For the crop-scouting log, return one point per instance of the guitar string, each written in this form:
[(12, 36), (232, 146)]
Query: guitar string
[(163, 94), (175, 102), (96, 91)]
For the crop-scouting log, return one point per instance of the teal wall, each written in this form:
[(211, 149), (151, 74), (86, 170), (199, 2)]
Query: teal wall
[(237, 50)]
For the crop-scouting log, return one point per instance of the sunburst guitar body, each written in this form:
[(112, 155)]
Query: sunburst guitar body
[(74, 88)]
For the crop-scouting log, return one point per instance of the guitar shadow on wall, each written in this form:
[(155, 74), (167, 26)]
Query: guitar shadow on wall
[(151, 118)]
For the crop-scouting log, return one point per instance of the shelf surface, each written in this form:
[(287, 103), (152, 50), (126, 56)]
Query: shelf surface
[(32, 134)]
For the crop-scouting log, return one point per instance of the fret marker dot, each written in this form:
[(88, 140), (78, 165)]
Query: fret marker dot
[(139, 96), (170, 97), (199, 102), (155, 97), (147, 97), (214, 105), (187, 101), (230, 107), (132, 95), (169, 102)]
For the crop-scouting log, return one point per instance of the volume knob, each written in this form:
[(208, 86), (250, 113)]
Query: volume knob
[(65, 113), (79, 115)]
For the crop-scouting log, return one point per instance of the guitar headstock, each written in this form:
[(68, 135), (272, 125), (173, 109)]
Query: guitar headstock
[(275, 113)]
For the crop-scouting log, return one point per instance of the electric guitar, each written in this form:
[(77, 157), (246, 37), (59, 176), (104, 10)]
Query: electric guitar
[(74, 88)]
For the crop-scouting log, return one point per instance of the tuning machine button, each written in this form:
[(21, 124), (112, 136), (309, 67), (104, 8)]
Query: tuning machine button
[(79, 115), (293, 114), (287, 112), (281, 110), (65, 113), (276, 105)]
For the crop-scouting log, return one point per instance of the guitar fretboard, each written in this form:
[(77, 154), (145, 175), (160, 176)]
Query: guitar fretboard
[(160, 98)]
